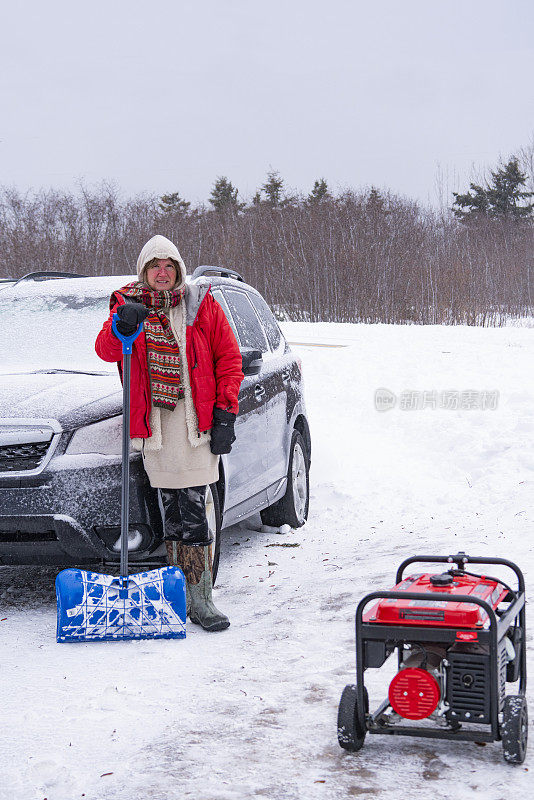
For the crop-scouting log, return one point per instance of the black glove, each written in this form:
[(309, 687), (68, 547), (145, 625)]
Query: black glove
[(222, 431), (130, 316)]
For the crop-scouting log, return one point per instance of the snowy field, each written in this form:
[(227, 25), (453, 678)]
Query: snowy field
[(251, 712)]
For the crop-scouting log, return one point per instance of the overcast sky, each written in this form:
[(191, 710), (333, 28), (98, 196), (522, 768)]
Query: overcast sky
[(167, 95)]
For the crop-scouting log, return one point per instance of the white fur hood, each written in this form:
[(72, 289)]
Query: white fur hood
[(160, 247)]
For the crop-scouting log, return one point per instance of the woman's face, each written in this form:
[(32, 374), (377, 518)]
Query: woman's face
[(161, 275)]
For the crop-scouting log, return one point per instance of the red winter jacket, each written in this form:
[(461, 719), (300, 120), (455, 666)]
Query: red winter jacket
[(213, 358)]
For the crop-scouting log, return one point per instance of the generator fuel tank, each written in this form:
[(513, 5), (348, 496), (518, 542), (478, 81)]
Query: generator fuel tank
[(443, 610)]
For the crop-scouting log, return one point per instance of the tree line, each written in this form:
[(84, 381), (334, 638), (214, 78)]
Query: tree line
[(358, 256), (225, 196)]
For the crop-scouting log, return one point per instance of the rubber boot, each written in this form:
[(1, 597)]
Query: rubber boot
[(197, 569), (172, 553), (175, 558)]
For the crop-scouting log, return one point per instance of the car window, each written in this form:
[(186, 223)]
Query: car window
[(267, 320), (250, 333), (219, 297)]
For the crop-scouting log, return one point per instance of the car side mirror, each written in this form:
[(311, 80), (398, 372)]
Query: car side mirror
[(252, 360)]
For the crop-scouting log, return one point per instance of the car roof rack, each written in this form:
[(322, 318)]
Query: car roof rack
[(222, 271), (44, 275)]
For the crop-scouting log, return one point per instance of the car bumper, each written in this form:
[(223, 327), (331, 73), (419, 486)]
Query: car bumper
[(72, 516)]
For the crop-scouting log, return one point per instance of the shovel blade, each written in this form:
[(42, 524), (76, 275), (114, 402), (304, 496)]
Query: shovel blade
[(96, 607)]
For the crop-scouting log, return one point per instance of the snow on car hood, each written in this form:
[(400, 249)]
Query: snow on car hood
[(72, 399)]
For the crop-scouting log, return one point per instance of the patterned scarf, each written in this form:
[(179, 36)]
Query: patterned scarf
[(163, 353)]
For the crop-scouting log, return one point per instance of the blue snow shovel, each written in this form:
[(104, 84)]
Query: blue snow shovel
[(149, 605)]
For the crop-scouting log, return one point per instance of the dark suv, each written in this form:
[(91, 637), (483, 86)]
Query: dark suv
[(61, 415)]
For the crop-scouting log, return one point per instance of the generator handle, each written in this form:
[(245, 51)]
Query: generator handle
[(461, 559)]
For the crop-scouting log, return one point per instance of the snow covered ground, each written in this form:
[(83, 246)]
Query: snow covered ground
[(251, 712)]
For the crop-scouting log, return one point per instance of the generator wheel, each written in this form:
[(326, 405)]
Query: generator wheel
[(514, 730), (349, 733)]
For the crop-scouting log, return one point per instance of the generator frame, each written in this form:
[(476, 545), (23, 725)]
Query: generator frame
[(396, 636)]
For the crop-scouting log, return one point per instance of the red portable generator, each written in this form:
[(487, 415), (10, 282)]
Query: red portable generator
[(459, 638)]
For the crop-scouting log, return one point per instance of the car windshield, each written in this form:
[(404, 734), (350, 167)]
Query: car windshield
[(52, 325)]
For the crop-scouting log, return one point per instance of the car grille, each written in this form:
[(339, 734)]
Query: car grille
[(27, 445), (28, 536), (19, 457)]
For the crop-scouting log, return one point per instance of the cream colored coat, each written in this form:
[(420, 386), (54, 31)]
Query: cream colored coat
[(176, 464)]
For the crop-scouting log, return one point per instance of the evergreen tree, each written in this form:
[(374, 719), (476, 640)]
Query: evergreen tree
[(375, 199), (224, 196), (319, 191), (273, 189), (376, 205), (173, 203), (507, 191), (504, 195), (475, 201)]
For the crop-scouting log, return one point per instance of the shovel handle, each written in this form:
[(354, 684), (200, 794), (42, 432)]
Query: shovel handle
[(127, 341), (127, 344)]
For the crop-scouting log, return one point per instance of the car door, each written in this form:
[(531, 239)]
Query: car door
[(245, 466), (277, 364)]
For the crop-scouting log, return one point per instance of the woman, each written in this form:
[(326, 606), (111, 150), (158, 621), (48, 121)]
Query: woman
[(185, 378)]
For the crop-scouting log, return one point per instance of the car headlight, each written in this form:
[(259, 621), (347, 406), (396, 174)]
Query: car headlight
[(103, 437)]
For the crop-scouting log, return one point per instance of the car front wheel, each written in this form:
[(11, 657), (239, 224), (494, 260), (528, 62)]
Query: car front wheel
[(292, 508)]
